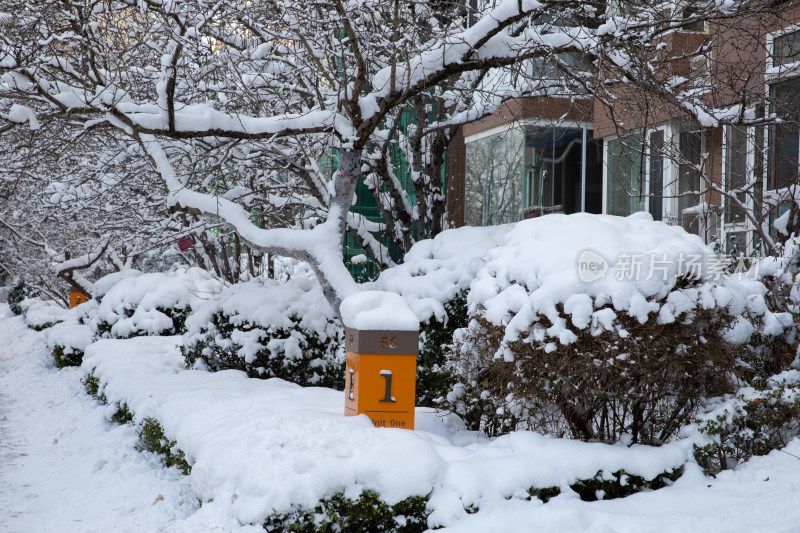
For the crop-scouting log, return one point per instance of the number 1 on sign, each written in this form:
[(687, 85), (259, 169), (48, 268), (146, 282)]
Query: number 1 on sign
[(387, 376)]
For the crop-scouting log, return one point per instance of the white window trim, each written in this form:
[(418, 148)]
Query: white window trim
[(770, 41), (493, 131), (769, 79)]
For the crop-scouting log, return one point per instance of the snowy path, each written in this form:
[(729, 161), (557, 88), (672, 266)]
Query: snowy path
[(63, 467)]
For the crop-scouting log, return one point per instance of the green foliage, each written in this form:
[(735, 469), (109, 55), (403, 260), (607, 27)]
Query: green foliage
[(369, 513), (321, 364), (63, 357), (15, 296), (434, 378), (42, 327), (92, 385), (365, 513), (609, 486), (122, 415), (620, 484), (152, 438), (544, 494), (756, 426)]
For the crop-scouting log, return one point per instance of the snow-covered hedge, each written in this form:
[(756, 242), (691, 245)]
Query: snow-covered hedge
[(133, 304), (270, 452), (269, 328), (434, 278), (67, 342), (16, 295), (753, 422), (623, 349), (41, 315)]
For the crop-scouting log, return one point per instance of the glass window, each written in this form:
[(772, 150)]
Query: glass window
[(783, 145), (553, 170), (735, 174), (786, 49), (493, 179), (690, 147), (625, 187)]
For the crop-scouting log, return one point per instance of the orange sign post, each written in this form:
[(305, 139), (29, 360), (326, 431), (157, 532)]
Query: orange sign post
[(76, 298), (381, 370)]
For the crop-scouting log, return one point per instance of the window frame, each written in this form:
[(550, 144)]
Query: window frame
[(747, 226)]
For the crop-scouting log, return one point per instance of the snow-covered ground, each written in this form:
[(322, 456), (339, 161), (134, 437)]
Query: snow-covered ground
[(63, 466), (261, 445)]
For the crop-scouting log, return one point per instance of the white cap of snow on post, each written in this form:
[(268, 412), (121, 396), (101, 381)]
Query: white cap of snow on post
[(378, 310)]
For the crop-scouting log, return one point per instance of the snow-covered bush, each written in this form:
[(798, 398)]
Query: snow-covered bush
[(434, 378), (755, 422), (68, 340), (367, 512), (269, 328), (41, 315), (434, 278), (15, 297), (132, 304), (603, 328)]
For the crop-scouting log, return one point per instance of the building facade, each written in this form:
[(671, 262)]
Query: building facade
[(728, 184)]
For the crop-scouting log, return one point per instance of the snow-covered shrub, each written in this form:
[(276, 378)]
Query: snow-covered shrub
[(568, 336), (643, 386), (434, 378), (15, 297), (434, 279), (269, 328), (151, 435), (41, 315), (152, 439), (753, 423), (132, 304), (368, 512), (68, 340)]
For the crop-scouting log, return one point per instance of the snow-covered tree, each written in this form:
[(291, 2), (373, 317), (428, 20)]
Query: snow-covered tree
[(235, 104)]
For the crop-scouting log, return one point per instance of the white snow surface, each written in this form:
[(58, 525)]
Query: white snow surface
[(64, 467), (534, 272), (258, 446), (378, 310), (145, 293), (39, 314), (436, 270)]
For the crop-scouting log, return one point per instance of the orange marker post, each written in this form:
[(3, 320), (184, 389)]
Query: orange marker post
[(76, 298), (381, 370)]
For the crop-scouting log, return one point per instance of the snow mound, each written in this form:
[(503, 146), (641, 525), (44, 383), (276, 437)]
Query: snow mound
[(70, 336), (262, 446), (378, 310), (41, 314), (435, 270), (270, 304), (589, 268), (135, 304)]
